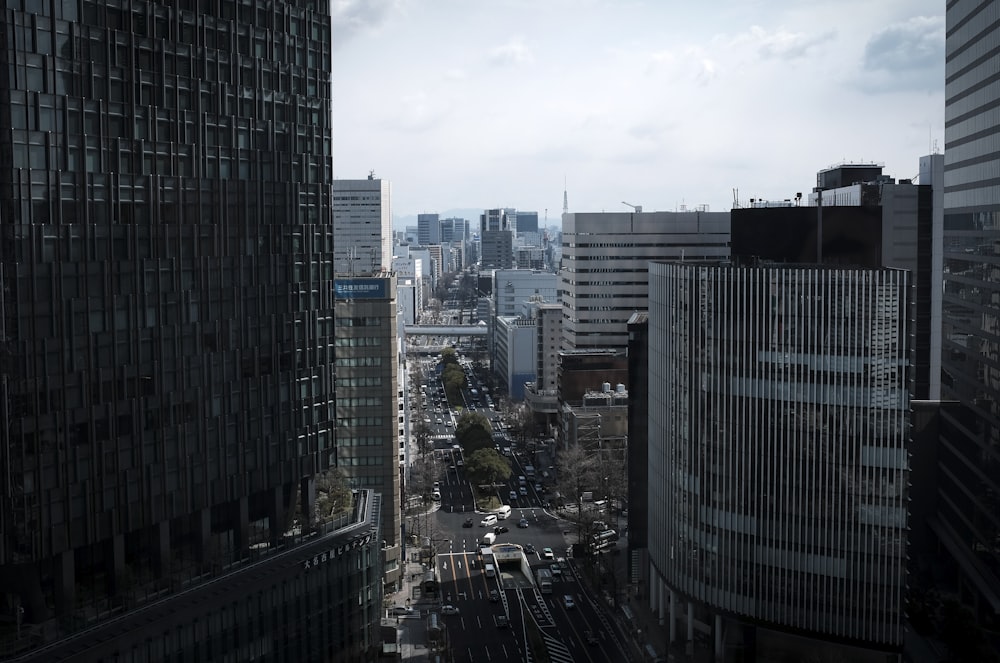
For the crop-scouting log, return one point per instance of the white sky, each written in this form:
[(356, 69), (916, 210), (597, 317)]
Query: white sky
[(492, 103)]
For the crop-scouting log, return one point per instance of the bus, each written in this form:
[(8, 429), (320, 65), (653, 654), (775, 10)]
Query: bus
[(603, 540), (544, 580)]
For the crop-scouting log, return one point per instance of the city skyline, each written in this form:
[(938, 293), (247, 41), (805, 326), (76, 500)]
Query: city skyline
[(661, 106)]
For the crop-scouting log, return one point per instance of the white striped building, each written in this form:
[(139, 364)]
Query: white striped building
[(778, 470)]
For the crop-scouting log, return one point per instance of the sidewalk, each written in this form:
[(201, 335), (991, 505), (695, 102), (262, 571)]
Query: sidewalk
[(412, 628)]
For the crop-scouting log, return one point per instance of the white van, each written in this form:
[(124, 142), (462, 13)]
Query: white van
[(503, 512), (489, 521), (490, 571), (488, 539)]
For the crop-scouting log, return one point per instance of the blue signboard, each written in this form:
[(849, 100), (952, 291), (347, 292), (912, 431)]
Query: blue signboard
[(360, 288)]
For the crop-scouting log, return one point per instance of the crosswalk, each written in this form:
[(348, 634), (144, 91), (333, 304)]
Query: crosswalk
[(558, 652)]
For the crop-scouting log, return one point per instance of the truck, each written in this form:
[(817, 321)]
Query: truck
[(544, 577)]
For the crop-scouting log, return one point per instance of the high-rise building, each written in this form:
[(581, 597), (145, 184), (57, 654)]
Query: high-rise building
[(967, 522), (605, 256), (428, 229), (778, 464), (868, 220), (496, 239), (526, 222), (168, 340), (362, 220), (367, 452)]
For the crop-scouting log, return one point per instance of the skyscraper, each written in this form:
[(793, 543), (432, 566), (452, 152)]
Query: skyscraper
[(362, 221), (778, 466), (496, 239), (168, 337), (428, 229), (967, 524)]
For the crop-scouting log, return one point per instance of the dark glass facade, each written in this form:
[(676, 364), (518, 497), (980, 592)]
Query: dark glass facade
[(167, 292), (967, 523)]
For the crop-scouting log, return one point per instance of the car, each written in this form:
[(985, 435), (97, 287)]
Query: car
[(500, 529), (523, 491), (547, 553), (522, 523), (556, 570), (529, 548), (494, 596), (489, 521), (468, 522), (590, 637), (402, 610), (502, 621), (568, 602), (513, 495), (449, 610)]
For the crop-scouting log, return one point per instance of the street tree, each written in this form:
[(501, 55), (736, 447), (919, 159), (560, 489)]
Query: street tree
[(486, 466), (453, 379), (424, 471), (473, 432), (422, 435), (579, 471)]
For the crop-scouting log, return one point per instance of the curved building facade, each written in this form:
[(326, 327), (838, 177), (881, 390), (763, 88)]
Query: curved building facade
[(777, 449)]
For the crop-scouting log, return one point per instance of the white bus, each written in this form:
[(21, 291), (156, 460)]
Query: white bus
[(544, 577)]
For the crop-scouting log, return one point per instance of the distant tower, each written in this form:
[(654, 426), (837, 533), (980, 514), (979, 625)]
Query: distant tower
[(565, 198)]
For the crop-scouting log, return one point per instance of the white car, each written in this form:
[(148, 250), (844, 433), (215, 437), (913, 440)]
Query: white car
[(449, 610), (402, 610)]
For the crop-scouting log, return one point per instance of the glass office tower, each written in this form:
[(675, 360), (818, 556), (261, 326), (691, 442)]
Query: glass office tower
[(167, 292), (968, 499), (778, 421)]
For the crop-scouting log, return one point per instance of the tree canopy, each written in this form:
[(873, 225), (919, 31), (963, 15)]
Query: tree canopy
[(486, 466), (473, 432)]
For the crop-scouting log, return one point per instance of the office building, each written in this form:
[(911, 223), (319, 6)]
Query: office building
[(542, 395), (525, 222), (868, 220), (636, 471), (967, 522), (428, 229), (362, 221), (167, 275), (367, 451), (603, 275), (496, 239), (778, 469)]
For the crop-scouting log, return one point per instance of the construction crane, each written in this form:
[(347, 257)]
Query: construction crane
[(637, 208)]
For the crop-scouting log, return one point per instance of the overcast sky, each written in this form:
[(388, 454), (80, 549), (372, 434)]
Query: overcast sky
[(495, 103)]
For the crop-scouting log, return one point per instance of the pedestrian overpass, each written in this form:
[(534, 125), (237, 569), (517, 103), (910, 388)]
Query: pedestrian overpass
[(445, 330)]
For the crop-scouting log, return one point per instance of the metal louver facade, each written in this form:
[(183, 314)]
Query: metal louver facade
[(778, 420)]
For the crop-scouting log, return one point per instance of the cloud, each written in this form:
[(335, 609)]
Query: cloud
[(415, 113), (514, 52), (905, 56), (915, 44), (782, 44), (352, 17)]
